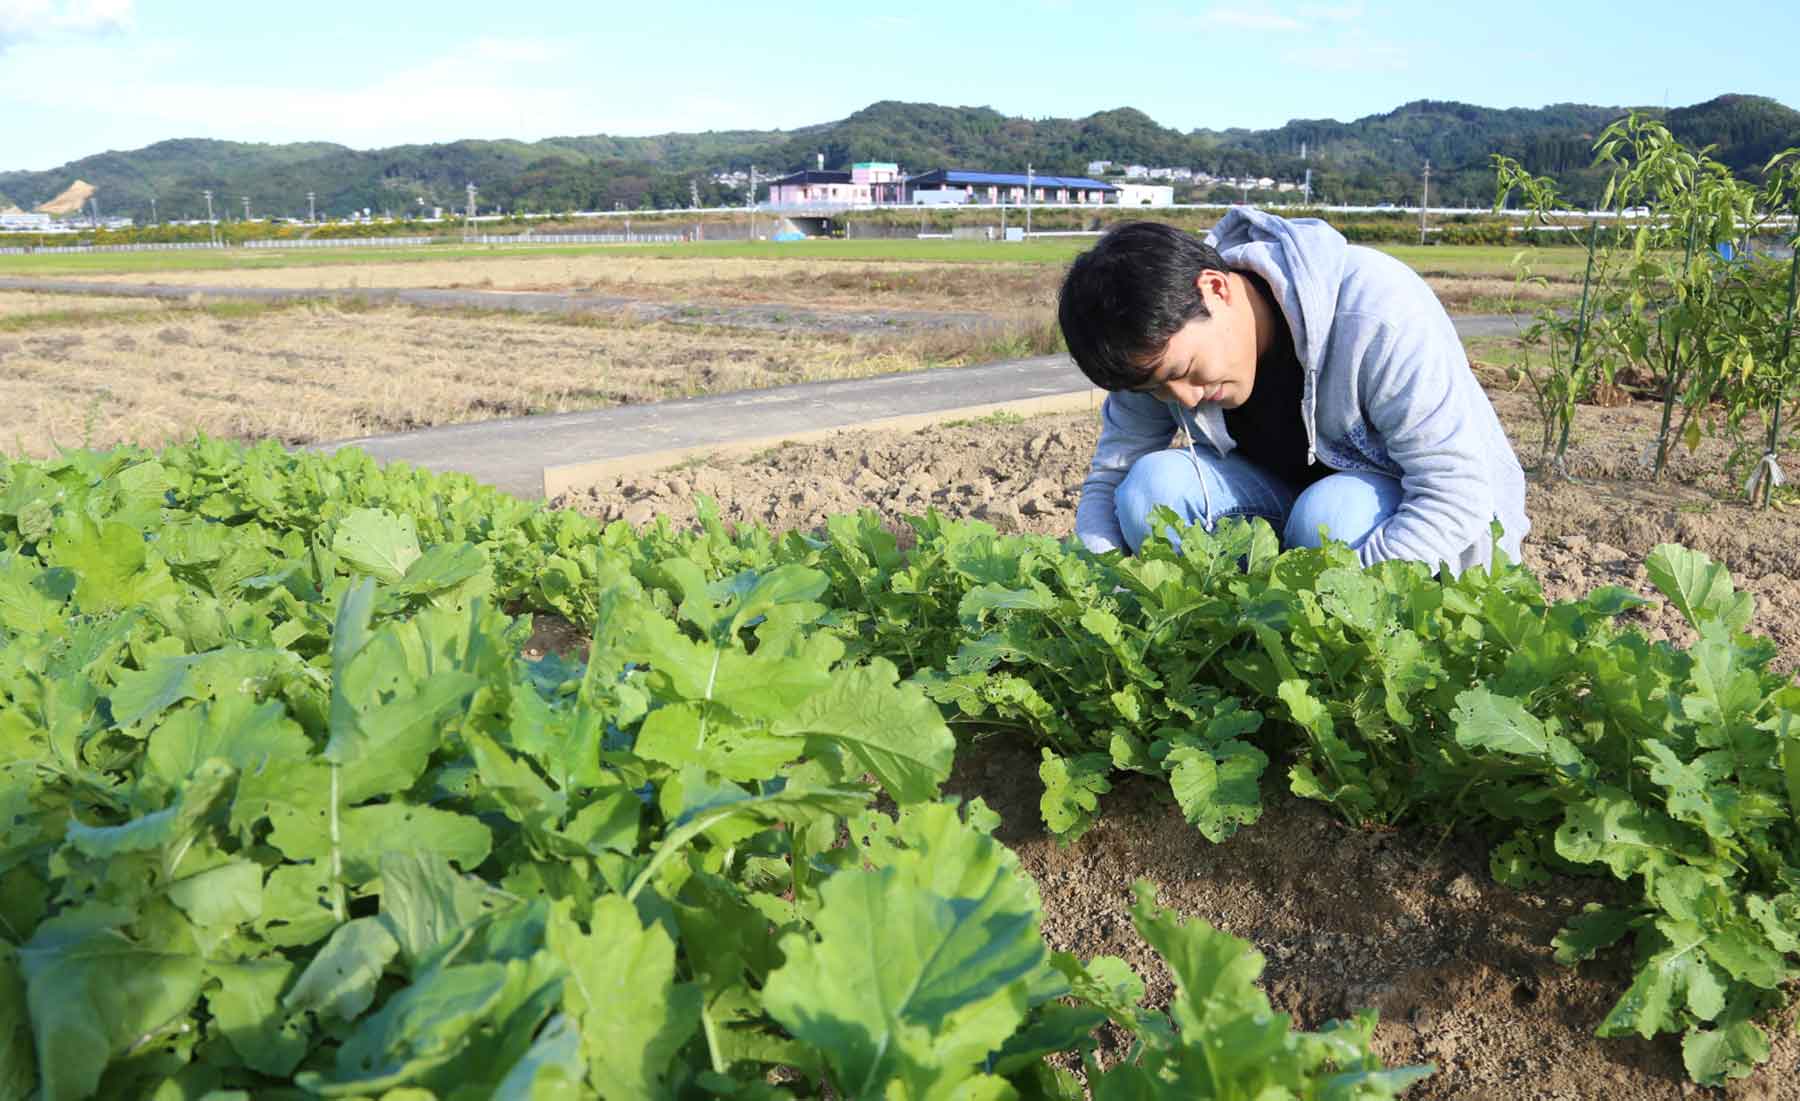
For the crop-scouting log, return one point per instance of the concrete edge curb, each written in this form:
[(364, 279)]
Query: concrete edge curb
[(572, 476)]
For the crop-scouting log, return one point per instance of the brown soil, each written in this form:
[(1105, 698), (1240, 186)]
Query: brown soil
[(70, 201), (1406, 922)]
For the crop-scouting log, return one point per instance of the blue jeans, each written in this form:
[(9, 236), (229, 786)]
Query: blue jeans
[(1348, 505)]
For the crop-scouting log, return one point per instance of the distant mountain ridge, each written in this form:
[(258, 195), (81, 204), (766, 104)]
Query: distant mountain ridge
[(1369, 159)]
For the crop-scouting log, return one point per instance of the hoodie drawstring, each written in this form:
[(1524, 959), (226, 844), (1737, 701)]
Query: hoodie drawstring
[(1187, 436)]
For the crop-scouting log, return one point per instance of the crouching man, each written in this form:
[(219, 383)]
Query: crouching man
[(1318, 385)]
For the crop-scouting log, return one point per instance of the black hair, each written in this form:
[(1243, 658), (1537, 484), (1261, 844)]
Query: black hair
[(1124, 298)]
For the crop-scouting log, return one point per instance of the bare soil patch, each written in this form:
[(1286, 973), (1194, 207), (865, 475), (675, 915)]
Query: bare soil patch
[(1406, 922)]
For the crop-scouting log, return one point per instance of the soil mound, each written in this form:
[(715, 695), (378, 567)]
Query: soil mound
[(72, 199)]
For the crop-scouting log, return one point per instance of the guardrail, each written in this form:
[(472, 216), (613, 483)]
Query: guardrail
[(578, 239), (367, 242), (340, 242), (56, 250)]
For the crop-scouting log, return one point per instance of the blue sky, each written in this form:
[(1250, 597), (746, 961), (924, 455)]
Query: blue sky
[(82, 76)]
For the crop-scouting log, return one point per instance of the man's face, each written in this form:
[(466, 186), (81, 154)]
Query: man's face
[(1210, 359)]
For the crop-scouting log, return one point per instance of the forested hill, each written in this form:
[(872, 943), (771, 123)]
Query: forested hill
[(1372, 159)]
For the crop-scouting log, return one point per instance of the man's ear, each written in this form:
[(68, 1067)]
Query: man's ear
[(1214, 286)]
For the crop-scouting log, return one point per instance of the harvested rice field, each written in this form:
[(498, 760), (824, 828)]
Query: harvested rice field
[(317, 372)]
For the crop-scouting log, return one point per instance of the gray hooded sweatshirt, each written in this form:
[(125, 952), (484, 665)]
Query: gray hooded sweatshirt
[(1387, 388)]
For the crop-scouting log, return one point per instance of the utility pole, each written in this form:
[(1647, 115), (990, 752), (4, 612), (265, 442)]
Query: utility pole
[(152, 210), (211, 226), (750, 202), (1424, 201), (312, 214), (94, 205), (1306, 188), (1027, 198), (693, 193), (471, 190), (246, 199)]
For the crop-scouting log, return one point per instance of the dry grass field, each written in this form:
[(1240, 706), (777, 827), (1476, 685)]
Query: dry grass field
[(829, 284), (640, 276), (21, 309), (322, 372)]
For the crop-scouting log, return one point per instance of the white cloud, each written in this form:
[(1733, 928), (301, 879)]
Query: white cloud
[(1268, 18), (26, 20), (1332, 13), (1356, 54), (1252, 19)]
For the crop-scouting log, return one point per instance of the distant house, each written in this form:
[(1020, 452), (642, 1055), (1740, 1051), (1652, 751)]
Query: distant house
[(866, 183), (994, 188), (1146, 195), (16, 220)]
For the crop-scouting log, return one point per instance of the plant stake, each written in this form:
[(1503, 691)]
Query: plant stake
[(1767, 474)]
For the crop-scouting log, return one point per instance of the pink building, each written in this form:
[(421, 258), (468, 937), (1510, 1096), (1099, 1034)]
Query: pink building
[(866, 183)]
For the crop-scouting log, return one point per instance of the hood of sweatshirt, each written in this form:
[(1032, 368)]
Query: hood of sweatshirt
[(1302, 261)]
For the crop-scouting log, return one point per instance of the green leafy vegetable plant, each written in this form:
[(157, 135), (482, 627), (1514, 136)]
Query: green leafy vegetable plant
[(284, 814)]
